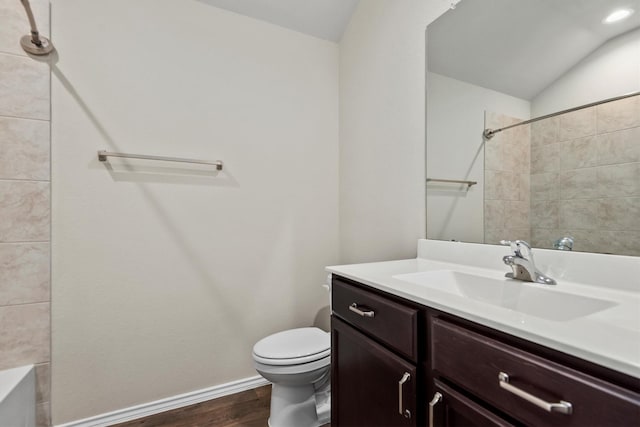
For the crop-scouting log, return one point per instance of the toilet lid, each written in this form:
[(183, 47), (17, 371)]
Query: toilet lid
[(294, 344)]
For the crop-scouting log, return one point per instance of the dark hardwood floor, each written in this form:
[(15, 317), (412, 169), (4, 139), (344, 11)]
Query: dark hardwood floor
[(247, 409)]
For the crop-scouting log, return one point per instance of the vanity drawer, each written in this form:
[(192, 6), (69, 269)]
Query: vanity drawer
[(475, 363), (387, 321)]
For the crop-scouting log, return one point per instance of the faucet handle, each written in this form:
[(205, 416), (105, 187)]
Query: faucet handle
[(514, 246), (517, 246)]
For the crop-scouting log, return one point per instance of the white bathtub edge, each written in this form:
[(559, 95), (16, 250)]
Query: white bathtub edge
[(18, 396), (10, 378), (167, 404)]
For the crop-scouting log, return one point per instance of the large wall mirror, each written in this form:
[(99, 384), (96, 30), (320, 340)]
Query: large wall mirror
[(568, 181)]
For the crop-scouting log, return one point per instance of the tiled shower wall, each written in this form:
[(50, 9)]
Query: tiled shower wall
[(585, 178), (506, 197), (24, 201)]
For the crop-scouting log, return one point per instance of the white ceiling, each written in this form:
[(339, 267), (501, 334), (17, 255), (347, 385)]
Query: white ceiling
[(519, 47), (326, 19)]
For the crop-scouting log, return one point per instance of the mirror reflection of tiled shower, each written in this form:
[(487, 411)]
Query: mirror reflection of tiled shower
[(582, 179), (507, 181)]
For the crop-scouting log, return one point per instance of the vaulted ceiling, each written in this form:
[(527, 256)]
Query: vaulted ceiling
[(326, 19), (520, 47)]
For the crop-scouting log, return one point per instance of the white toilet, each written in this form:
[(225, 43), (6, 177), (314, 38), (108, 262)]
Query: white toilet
[(297, 363)]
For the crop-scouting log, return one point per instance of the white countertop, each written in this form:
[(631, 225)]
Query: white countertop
[(610, 337)]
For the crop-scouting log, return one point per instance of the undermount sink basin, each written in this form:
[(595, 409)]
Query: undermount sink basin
[(528, 298)]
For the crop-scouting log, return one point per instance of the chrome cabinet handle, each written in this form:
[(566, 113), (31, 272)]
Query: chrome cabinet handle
[(404, 412), (436, 399), (369, 313), (562, 407)]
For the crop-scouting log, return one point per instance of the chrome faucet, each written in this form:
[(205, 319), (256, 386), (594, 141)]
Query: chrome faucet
[(522, 263), (564, 243)]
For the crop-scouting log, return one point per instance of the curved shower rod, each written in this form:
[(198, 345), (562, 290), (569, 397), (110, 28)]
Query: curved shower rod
[(34, 43)]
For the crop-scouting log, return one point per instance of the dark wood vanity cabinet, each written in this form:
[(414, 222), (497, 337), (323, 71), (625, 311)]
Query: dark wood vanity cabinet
[(396, 363), (374, 375), (524, 386)]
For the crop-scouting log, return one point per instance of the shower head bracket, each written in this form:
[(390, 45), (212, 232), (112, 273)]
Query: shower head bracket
[(34, 43), (40, 47)]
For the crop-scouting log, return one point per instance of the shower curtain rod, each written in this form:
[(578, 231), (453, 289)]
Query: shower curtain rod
[(489, 133)]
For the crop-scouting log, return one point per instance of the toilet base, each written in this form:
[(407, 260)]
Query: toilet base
[(293, 406)]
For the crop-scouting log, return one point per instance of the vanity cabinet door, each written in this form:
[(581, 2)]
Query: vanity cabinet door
[(448, 408), (370, 385)]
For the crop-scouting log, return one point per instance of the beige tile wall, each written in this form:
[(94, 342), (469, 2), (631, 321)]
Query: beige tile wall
[(25, 218), (585, 178), (507, 183)]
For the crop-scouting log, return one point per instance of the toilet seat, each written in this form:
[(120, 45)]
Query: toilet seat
[(293, 347)]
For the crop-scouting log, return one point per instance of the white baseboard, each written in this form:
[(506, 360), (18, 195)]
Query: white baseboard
[(152, 408)]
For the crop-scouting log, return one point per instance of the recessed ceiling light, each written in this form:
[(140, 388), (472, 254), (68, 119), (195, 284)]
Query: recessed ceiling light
[(617, 15)]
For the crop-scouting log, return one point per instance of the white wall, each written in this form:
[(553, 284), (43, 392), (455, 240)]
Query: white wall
[(164, 275), (455, 150), (382, 128), (611, 70)]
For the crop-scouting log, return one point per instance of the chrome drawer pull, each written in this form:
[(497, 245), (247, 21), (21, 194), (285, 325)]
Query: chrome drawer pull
[(404, 412), (369, 313), (436, 399), (562, 407)]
